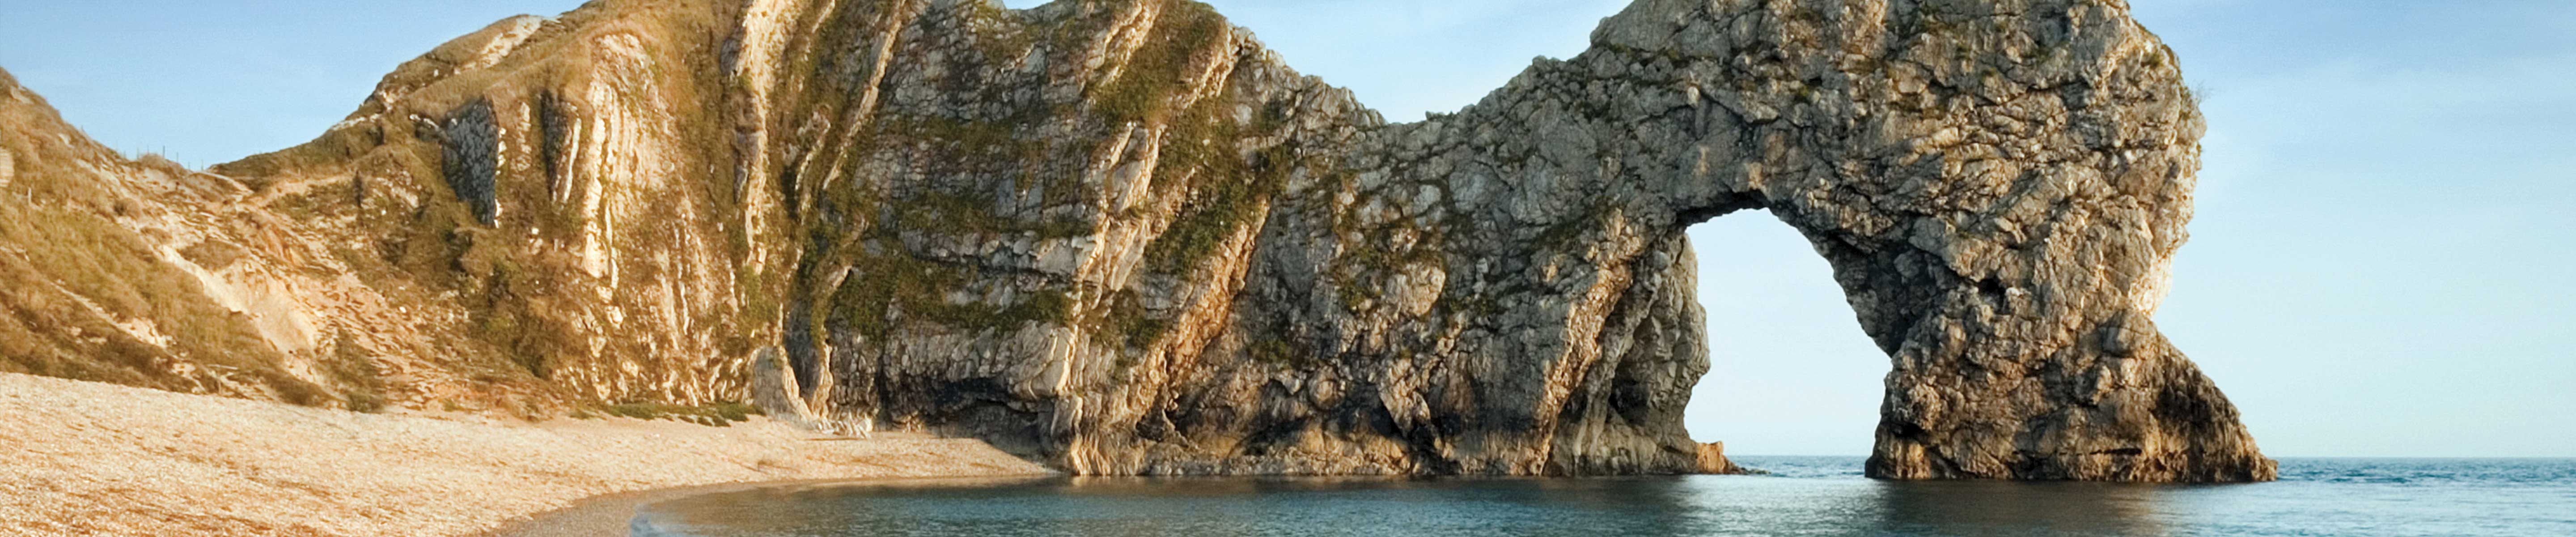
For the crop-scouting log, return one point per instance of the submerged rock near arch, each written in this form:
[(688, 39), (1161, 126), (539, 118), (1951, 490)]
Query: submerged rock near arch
[(1123, 236)]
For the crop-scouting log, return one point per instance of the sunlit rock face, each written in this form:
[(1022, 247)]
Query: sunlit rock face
[(1121, 235)]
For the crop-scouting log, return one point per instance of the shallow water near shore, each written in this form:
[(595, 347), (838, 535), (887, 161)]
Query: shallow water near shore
[(1808, 496)]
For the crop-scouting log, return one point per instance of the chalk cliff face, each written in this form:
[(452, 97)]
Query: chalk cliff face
[(1122, 235)]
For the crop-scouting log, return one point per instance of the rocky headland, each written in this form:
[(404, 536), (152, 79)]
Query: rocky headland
[(1122, 236)]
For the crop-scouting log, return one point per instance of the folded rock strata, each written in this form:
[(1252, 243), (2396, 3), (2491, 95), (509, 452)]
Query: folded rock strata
[(1122, 235)]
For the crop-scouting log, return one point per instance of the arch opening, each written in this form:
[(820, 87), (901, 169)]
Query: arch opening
[(1790, 371)]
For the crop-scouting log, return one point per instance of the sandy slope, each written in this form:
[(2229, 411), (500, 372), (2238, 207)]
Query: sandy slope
[(80, 458)]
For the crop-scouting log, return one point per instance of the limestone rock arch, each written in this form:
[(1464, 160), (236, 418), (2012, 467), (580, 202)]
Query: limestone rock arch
[(1124, 236), (2000, 187)]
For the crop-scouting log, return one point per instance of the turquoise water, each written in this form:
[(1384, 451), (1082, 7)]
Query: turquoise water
[(1818, 496)]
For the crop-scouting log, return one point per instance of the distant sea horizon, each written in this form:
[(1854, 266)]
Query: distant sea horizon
[(2274, 457)]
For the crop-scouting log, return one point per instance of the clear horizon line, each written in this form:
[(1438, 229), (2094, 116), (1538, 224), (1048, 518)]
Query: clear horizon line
[(2499, 457)]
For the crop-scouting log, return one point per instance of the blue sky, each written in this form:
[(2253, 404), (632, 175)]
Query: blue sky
[(2381, 265)]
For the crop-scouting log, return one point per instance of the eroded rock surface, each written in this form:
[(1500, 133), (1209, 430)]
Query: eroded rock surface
[(1121, 234)]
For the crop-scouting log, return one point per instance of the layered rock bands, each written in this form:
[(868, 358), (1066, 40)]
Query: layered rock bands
[(1122, 236)]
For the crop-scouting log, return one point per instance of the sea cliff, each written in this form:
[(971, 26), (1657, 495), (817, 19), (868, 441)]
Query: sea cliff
[(1123, 236)]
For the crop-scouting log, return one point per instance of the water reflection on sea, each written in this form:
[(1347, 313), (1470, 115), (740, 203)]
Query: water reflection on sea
[(1806, 496)]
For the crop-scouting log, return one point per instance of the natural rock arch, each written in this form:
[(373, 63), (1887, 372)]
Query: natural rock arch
[(1121, 234), (2000, 187)]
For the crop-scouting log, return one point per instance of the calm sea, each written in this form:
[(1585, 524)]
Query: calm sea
[(1823, 496)]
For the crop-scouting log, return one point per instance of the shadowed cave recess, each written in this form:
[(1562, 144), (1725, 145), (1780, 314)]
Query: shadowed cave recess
[(1121, 236)]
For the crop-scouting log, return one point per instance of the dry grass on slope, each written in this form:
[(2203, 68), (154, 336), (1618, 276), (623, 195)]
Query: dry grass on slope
[(85, 297)]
